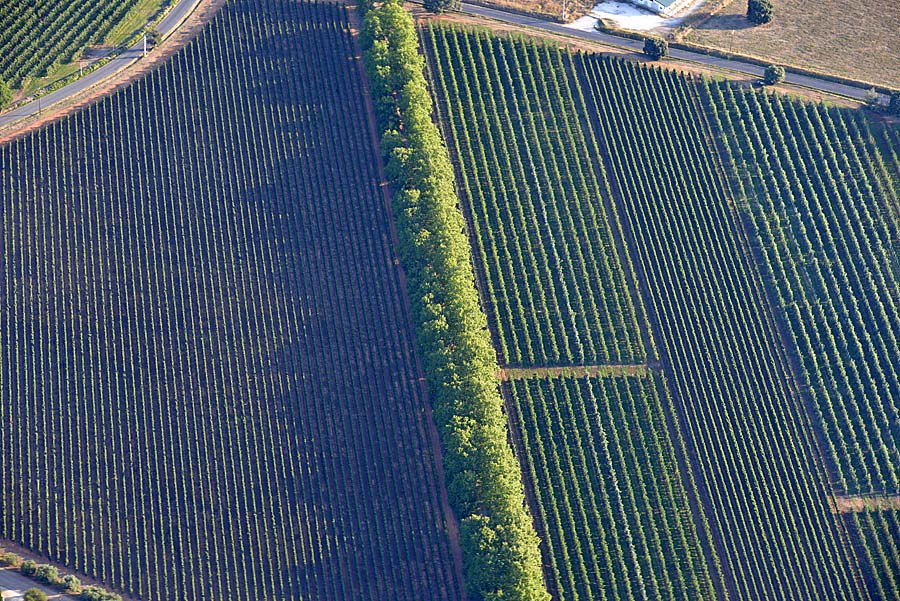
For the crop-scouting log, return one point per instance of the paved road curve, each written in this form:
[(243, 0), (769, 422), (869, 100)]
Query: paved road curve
[(174, 17), (13, 586), (637, 46)]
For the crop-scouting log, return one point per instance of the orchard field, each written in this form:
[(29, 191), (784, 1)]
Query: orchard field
[(207, 382), (739, 247), (240, 360), (37, 36)]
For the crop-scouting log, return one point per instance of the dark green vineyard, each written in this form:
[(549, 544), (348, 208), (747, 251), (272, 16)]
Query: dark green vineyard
[(207, 381), (824, 220)]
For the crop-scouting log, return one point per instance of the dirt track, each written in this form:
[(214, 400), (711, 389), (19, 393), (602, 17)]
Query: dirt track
[(860, 503), (573, 371)]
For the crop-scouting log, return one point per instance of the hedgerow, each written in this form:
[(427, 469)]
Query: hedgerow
[(500, 548)]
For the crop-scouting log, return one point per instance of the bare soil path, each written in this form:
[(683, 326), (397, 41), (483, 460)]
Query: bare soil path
[(860, 503), (574, 371)]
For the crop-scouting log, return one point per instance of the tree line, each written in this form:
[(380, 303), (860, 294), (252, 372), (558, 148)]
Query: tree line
[(501, 559)]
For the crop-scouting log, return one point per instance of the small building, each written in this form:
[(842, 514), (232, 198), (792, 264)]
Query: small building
[(666, 8)]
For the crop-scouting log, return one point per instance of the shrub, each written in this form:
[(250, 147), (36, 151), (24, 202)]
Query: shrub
[(153, 37), (34, 594), (894, 105), (5, 93), (439, 6), (71, 584), (47, 574), (872, 97), (774, 74), (656, 48), (29, 567), (10, 559), (95, 593), (760, 11)]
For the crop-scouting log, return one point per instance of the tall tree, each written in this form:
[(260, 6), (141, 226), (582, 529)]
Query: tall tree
[(760, 11)]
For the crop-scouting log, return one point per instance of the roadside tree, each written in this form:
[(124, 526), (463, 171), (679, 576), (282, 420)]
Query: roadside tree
[(656, 48), (774, 74), (439, 6), (5, 93), (894, 105), (29, 567)]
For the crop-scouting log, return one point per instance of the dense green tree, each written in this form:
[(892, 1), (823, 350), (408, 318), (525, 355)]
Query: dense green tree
[(760, 11), (501, 559), (774, 74), (656, 48)]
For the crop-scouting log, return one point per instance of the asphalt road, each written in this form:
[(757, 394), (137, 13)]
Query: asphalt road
[(174, 17), (637, 46), (13, 586)]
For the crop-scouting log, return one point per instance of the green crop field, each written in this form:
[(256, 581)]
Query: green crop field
[(35, 37), (553, 274), (756, 235), (331, 307), (821, 189), (207, 382), (616, 518)]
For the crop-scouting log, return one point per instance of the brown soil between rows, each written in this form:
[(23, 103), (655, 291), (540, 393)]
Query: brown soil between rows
[(451, 520), (574, 371), (860, 503)]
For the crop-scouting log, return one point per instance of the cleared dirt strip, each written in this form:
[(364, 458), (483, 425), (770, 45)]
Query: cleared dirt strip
[(574, 371), (860, 503)]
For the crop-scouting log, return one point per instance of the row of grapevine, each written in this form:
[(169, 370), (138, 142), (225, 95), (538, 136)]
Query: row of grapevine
[(36, 36), (822, 203), (207, 379), (615, 514), (759, 474), (552, 276)]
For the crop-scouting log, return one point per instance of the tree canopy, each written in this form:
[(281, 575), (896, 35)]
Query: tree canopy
[(760, 11), (501, 558), (656, 48)]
